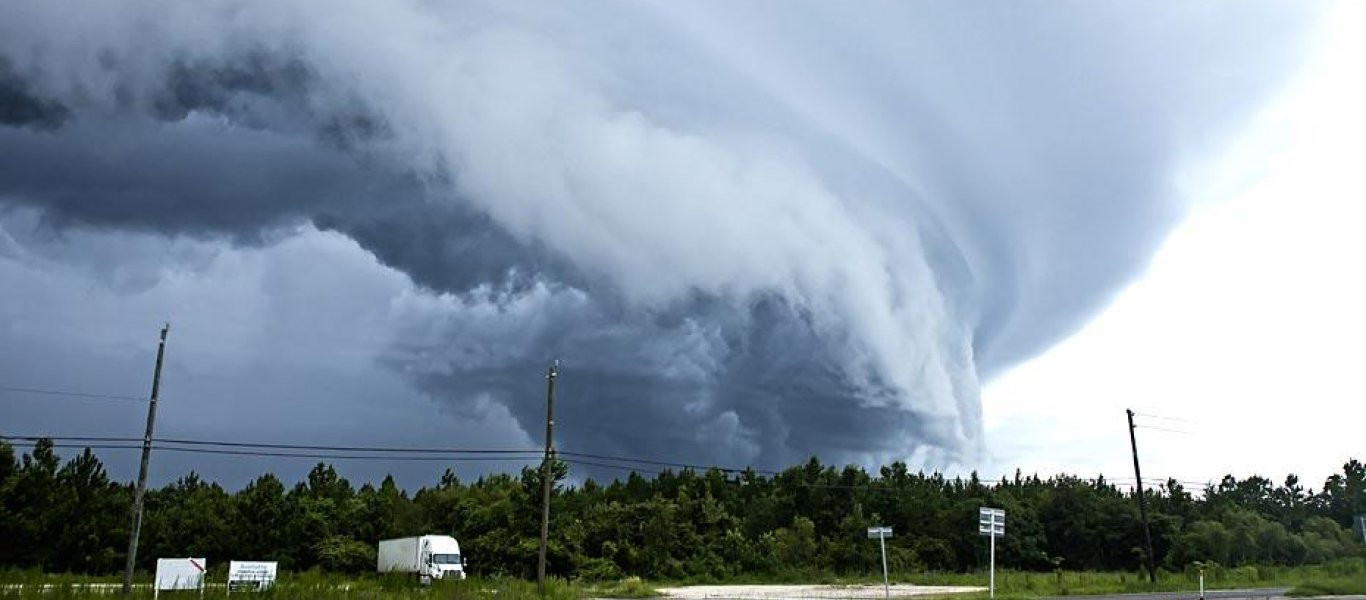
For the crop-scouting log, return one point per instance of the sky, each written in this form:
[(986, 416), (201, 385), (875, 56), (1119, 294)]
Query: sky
[(1242, 337), (965, 236)]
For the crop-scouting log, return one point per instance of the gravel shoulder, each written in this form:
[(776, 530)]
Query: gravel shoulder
[(765, 592)]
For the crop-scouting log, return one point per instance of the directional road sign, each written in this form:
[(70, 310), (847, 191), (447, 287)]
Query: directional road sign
[(991, 521)]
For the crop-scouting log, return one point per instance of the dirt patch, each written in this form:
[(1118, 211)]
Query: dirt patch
[(774, 592)]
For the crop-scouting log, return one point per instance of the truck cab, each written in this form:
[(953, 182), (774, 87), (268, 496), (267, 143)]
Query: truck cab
[(442, 557)]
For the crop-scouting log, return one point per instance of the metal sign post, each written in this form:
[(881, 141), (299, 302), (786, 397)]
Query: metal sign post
[(882, 533), (991, 522)]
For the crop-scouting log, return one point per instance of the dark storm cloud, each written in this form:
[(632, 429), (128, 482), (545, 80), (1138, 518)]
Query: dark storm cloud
[(750, 235), (230, 147), (219, 86), (19, 107), (198, 176), (710, 383)]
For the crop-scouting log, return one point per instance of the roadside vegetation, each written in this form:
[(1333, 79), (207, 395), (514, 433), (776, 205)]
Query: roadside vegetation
[(310, 585)]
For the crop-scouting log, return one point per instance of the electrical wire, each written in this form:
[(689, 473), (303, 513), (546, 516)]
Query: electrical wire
[(664, 463), (620, 463), (188, 442), (83, 395), (1164, 418), (351, 448), (1163, 429), (503, 458), (27, 443)]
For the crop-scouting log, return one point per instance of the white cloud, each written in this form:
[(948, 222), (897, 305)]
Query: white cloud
[(1250, 321)]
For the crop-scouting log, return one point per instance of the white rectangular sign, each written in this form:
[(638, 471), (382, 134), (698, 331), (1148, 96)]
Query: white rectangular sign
[(879, 532), (180, 573), (991, 521), (251, 575)]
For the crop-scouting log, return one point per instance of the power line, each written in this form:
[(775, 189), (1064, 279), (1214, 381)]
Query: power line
[(189, 442), (531, 456), (620, 463), (30, 444), (162, 441), (68, 393), (27, 443), (589, 463), (666, 463), (1163, 429), (351, 448), (1165, 418), (504, 458)]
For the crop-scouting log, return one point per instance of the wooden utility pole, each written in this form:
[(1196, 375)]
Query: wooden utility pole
[(1142, 502), (142, 469), (545, 469)]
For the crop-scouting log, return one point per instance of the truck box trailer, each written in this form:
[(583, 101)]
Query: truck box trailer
[(426, 556)]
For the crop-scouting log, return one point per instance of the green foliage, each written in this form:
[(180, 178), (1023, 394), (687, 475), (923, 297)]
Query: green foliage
[(806, 523), (311, 585), (599, 569), (630, 587), (341, 554)]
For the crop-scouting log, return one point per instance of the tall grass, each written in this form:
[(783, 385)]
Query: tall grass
[(1069, 583), (312, 585)]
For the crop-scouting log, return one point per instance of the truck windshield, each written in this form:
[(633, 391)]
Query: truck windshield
[(446, 559)]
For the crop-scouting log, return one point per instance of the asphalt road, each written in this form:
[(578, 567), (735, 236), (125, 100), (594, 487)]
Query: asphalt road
[(1252, 594), (807, 592)]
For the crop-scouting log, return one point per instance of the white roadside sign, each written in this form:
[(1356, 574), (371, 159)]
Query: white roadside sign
[(180, 574), (251, 575)]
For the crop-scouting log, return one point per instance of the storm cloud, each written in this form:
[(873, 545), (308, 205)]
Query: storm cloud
[(751, 233)]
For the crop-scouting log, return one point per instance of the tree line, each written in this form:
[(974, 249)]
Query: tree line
[(70, 517)]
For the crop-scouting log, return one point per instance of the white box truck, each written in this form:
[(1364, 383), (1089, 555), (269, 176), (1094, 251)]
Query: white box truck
[(425, 556)]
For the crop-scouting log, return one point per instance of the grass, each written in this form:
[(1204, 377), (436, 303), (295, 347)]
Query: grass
[(1347, 574), (1340, 578), (311, 585), (1331, 587)]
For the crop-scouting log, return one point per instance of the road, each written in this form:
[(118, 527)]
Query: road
[(1252, 594), (774, 592), (789, 592)]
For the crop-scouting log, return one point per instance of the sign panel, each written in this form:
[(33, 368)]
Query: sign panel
[(251, 575), (180, 573), (991, 521), (879, 532), (1359, 524)]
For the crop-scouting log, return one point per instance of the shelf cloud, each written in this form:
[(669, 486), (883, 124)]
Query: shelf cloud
[(751, 235)]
